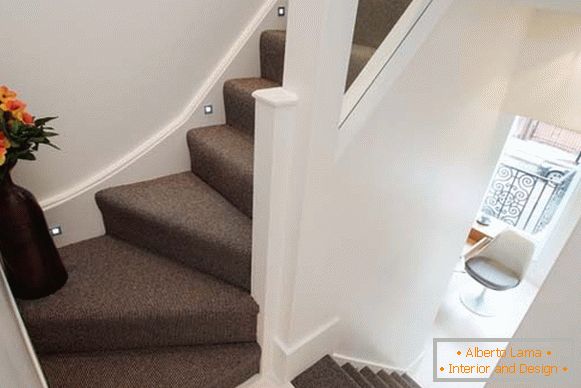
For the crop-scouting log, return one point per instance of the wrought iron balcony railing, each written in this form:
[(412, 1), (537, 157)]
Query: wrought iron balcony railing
[(525, 200)]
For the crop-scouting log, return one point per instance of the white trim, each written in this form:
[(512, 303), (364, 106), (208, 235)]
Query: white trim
[(375, 366), (276, 97), (260, 381), (309, 339), (293, 359), (149, 144)]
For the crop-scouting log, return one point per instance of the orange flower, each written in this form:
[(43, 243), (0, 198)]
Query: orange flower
[(6, 94), (27, 118), (14, 106), (2, 156), (4, 145)]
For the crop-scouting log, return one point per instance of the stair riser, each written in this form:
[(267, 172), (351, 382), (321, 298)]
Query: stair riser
[(355, 375), (272, 50), (222, 174), (373, 379), (222, 366), (142, 332), (239, 107), (402, 382), (226, 263), (389, 380)]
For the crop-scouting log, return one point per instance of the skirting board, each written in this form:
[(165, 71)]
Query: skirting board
[(260, 381), (290, 361), (374, 366)]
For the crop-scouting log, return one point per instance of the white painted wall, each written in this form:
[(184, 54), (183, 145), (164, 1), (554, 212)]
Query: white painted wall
[(128, 79), (383, 222), (18, 364), (116, 72), (548, 60), (428, 152), (556, 311)]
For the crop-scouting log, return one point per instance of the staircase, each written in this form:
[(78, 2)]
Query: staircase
[(327, 373), (162, 299)]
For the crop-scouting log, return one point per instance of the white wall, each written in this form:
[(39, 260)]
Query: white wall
[(556, 311), (427, 153), (18, 365), (549, 56), (127, 79), (114, 71), (383, 225)]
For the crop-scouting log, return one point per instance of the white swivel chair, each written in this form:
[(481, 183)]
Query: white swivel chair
[(501, 265)]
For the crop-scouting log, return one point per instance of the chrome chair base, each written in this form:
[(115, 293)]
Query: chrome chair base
[(478, 302)]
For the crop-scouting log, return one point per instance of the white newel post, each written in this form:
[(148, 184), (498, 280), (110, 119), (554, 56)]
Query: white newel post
[(296, 135), (274, 130)]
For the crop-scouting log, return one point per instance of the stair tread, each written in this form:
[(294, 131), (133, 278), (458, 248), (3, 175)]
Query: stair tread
[(239, 103), (372, 378), (219, 366), (223, 157), (389, 380), (355, 375), (182, 217), (272, 45), (401, 383), (411, 382), (122, 297), (324, 373)]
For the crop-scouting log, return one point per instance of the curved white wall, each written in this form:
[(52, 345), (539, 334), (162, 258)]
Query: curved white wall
[(382, 225), (116, 72), (414, 174)]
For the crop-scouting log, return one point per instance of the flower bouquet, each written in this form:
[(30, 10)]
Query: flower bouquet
[(20, 133), (33, 265)]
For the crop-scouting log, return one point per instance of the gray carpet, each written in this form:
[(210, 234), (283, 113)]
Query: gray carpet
[(181, 217), (121, 297), (239, 102), (223, 157), (272, 57), (355, 375), (375, 19), (326, 373), (390, 380), (272, 48), (218, 366), (373, 378), (162, 299)]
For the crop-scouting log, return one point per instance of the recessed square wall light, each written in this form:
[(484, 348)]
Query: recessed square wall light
[(208, 109), (56, 230), (281, 11)]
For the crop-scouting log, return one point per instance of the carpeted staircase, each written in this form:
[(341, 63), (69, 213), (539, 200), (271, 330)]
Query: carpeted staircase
[(162, 300), (327, 373)]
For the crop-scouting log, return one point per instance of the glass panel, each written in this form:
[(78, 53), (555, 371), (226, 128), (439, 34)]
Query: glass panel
[(375, 19)]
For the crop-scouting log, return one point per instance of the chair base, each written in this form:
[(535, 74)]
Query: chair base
[(478, 302)]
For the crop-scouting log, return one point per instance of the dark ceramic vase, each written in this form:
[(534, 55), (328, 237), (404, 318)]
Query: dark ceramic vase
[(32, 263)]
